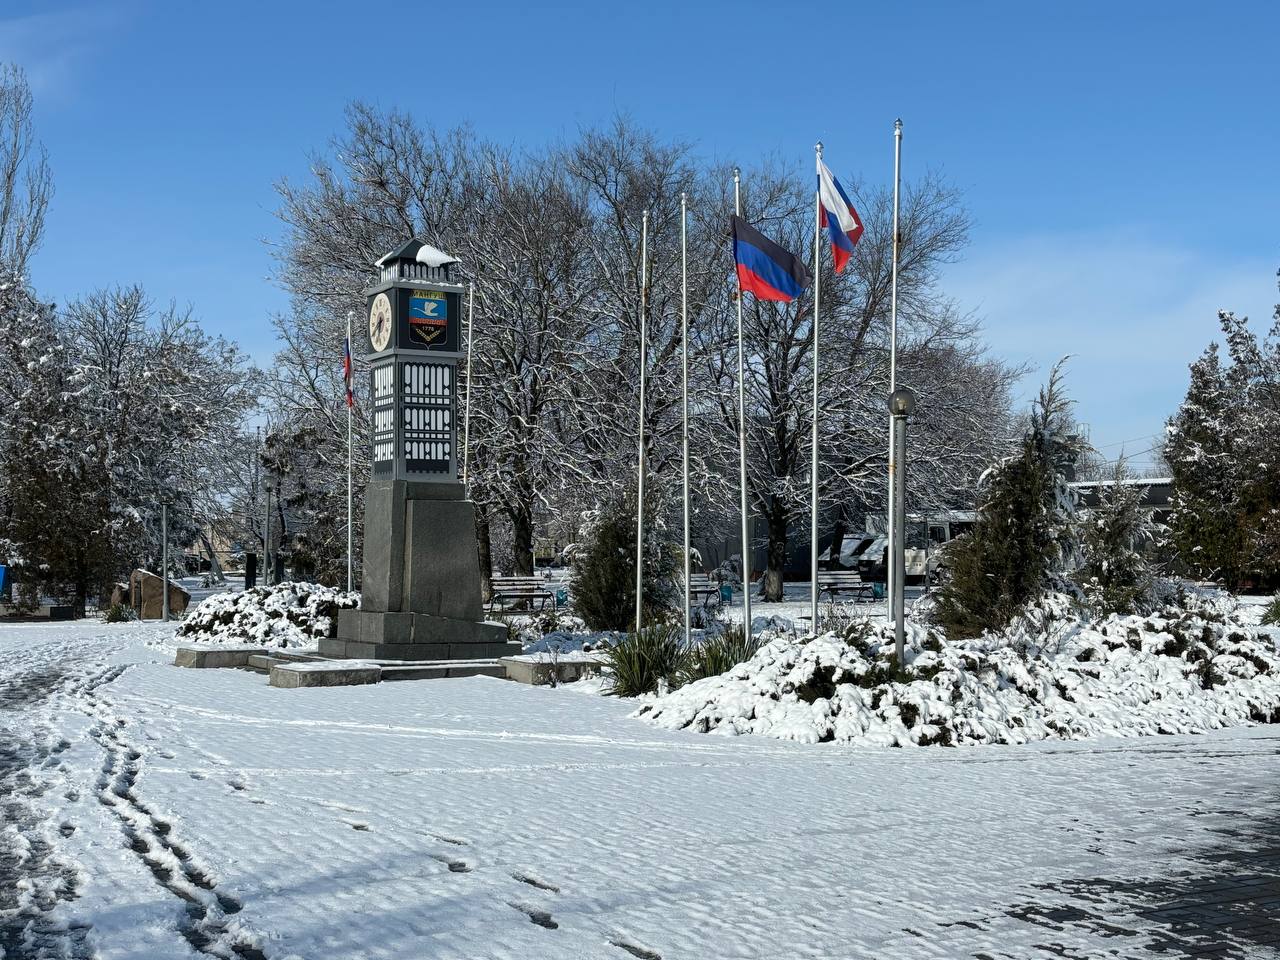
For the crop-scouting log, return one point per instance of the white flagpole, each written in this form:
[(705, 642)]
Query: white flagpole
[(742, 438), (466, 400), (349, 385), (813, 467), (893, 362), (644, 350), (684, 394)]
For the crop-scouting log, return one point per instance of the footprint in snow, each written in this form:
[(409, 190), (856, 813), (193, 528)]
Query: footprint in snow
[(539, 917), (535, 882), (636, 951), (455, 866)]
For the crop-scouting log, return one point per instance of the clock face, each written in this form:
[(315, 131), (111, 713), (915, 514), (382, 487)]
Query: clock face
[(380, 322)]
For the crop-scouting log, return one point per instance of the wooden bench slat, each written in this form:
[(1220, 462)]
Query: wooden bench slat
[(834, 582), (506, 590)]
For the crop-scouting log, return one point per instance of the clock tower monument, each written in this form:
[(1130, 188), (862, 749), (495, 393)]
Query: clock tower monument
[(420, 590)]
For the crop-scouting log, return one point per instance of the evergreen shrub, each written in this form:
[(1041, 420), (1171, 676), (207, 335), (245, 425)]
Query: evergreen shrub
[(604, 570), (1024, 539), (118, 613), (1116, 576)]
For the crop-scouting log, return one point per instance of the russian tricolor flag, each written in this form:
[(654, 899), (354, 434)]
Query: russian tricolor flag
[(764, 268), (838, 216)]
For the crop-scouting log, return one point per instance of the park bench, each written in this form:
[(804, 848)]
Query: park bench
[(836, 583), (512, 592), (702, 587)]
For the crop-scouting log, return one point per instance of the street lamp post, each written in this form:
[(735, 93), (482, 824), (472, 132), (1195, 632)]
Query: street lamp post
[(902, 402), (164, 560)]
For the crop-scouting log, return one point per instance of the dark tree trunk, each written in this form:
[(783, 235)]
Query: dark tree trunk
[(837, 539), (215, 567), (82, 585), (522, 540), (771, 582), (486, 553)]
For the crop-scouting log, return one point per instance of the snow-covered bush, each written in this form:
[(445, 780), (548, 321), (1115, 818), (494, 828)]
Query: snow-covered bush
[(286, 615), (555, 626), (1048, 675)]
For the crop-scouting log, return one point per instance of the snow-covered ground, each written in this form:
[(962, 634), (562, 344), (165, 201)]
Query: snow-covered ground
[(155, 812)]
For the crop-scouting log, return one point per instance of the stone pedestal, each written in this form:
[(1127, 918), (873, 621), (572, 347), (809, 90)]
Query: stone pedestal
[(420, 595)]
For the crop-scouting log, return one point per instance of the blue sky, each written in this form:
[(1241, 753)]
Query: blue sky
[(1119, 160)]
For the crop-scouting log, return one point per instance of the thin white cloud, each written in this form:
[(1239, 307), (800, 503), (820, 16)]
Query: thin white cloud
[(53, 46), (1131, 310)]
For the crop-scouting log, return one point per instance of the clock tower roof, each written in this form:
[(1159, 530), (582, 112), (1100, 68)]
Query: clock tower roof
[(414, 250)]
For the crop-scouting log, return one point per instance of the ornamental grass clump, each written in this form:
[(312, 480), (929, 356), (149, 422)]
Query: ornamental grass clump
[(718, 654), (639, 660), (1272, 615)]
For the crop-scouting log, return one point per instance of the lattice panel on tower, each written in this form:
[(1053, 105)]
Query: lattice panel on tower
[(427, 417), (384, 418)]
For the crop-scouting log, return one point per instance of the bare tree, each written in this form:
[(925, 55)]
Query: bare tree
[(26, 183), (532, 340), (551, 239), (964, 393)]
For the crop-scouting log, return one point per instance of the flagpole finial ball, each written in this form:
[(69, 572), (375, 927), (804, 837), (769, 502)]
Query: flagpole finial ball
[(902, 402), (818, 146), (897, 125)]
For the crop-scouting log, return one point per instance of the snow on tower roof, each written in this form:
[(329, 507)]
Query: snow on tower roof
[(417, 250)]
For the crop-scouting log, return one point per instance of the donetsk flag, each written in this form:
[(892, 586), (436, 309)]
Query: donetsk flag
[(765, 268), (838, 216)]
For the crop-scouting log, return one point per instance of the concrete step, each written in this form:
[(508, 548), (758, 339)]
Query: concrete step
[(328, 672), (538, 669), (215, 656), (441, 669), (263, 662)]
